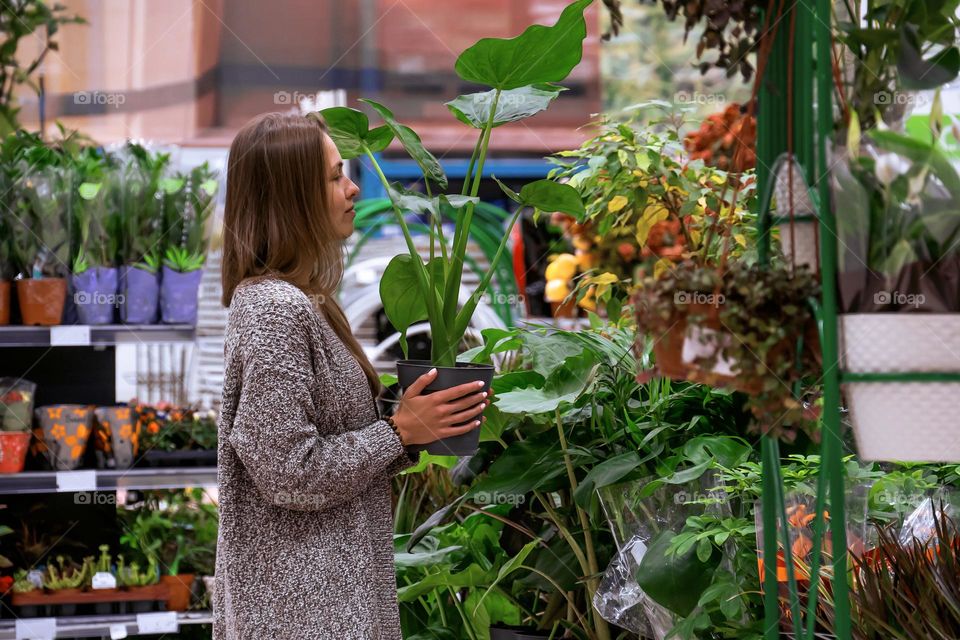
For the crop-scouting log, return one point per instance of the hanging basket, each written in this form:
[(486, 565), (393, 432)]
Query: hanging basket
[(914, 420), (680, 346), (795, 214)]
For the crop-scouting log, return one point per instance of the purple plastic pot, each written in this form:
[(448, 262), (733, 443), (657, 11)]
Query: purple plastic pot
[(178, 296), (141, 295), (95, 294)]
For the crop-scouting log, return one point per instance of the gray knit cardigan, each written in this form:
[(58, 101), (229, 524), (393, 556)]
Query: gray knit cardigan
[(305, 549)]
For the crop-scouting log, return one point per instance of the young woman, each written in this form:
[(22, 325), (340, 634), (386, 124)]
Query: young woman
[(305, 549)]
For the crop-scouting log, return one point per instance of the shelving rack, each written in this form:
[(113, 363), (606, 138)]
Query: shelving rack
[(84, 372)]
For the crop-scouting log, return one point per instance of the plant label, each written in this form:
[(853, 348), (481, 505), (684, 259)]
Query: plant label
[(36, 629), (35, 577), (70, 335), (104, 580), (118, 631), (164, 622), (70, 481)]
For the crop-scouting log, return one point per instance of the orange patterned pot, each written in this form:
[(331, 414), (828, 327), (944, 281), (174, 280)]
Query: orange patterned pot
[(13, 450)]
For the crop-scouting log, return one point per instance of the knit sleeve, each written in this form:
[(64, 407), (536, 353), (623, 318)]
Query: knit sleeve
[(278, 431)]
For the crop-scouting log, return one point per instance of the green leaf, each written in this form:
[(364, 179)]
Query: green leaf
[(472, 576), (350, 131), (412, 144), (549, 352), (675, 580), (608, 472), (510, 566), (691, 473), (89, 190), (917, 73), (402, 297), (539, 54), (547, 195), (704, 549), (424, 558), (516, 104)]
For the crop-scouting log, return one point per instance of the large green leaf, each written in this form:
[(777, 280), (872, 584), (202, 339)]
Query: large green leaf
[(411, 142), (472, 576), (547, 195), (424, 558), (417, 202), (675, 580), (508, 567), (917, 73), (525, 466), (608, 472), (516, 104), (540, 54), (400, 292), (547, 352), (350, 131)]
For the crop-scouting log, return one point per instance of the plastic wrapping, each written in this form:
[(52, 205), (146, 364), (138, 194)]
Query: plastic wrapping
[(636, 519)]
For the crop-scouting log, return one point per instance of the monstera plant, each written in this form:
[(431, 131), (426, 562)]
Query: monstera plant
[(521, 73)]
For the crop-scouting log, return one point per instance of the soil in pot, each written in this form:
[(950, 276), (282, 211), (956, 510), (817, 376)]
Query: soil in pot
[(41, 300), (409, 370), (13, 450), (4, 302)]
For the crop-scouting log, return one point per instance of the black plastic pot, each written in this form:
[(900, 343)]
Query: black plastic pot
[(409, 370), (516, 633)]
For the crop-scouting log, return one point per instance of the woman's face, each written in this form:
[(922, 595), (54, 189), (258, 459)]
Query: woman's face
[(340, 191)]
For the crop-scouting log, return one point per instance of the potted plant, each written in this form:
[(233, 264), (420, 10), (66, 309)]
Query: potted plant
[(186, 226), (44, 202), (414, 289), (16, 412), (140, 194), (131, 578), (116, 440), (65, 429), (176, 436), (67, 579), (95, 278), (900, 310), (743, 327)]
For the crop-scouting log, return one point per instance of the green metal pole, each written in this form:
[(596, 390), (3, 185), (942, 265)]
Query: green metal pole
[(832, 443)]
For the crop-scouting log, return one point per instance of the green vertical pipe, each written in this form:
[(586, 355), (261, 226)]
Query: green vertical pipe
[(771, 142), (768, 506), (803, 82), (832, 444)]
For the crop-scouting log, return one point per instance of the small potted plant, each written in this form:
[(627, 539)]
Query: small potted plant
[(129, 578), (140, 192), (413, 288), (67, 579), (16, 412), (186, 226), (44, 202), (94, 276)]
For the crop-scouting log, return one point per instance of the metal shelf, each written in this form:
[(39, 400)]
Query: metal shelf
[(95, 335), (107, 480), (102, 626)]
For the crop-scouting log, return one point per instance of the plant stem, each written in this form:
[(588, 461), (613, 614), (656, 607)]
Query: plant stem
[(451, 292), (438, 329), (603, 630), (463, 614), (473, 162), (564, 533)]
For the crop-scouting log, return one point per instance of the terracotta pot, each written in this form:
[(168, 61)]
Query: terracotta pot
[(4, 302), (565, 309), (181, 590), (42, 300), (13, 450)]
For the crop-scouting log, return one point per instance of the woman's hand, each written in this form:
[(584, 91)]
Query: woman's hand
[(425, 418)]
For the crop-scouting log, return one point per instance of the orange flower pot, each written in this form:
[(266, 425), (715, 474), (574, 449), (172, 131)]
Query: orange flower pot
[(4, 302), (13, 450), (181, 590), (42, 300)]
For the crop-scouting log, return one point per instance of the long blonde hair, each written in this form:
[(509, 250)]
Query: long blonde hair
[(276, 221)]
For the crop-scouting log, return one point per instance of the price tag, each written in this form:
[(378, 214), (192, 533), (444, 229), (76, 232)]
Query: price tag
[(36, 629), (164, 622), (77, 480), (103, 580), (118, 631), (70, 335)]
